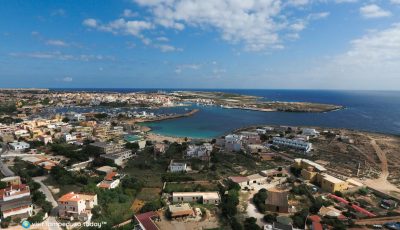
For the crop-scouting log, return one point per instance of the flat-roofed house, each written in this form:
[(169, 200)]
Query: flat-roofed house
[(15, 201), (180, 210), (203, 197), (76, 206)]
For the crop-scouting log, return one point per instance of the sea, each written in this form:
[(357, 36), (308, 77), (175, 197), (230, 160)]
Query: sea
[(373, 111)]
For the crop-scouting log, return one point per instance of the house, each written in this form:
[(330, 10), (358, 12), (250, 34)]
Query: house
[(177, 167), (309, 132), (277, 201), (105, 169), (12, 180), (15, 201), (256, 179), (241, 180), (202, 197), (199, 151), (120, 157), (146, 221), (278, 226), (250, 138), (256, 149), (331, 184), (106, 148), (293, 144), (266, 156), (233, 143), (46, 139), (160, 148), (19, 146), (110, 181), (76, 206), (180, 210), (69, 138)]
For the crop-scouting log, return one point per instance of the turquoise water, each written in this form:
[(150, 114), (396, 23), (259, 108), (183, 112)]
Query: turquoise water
[(375, 111), (364, 110)]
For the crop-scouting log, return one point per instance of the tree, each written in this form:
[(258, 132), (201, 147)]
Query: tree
[(270, 218), (299, 218), (251, 224), (259, 200), (3, 184)]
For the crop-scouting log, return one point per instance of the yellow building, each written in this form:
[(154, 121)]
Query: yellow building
[(331, 184)]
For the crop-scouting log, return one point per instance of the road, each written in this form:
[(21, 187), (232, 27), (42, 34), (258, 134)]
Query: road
[(378, 220), (382, 184), (51, 220), (3, 167)]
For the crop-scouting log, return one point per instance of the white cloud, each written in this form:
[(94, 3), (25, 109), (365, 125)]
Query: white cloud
[(167, 48), (67, 79), (257, 24), (58, 12), (56, 43), (374, 11), (90, 22), (395, 1), (127, 13), (132, 27), (372, 62), (162, 39), (346, 1), (180, 68), (57, 55)]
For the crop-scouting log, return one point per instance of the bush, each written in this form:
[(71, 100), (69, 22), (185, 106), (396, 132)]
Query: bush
[(270, 218), (251, 224), (259, 200)]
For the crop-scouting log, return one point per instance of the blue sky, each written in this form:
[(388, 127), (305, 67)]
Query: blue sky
[(301, 44)]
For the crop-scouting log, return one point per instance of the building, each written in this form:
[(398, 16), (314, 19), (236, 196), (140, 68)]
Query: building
[(177, 167), (160, 148), (120, 157), (105, 169), (250, 138), (277, 201), (106, 148), (146, 221), (309, 132), (233, 143), (19, 146), (15, 201), (180, 210), (201, 152), (278, 226), (111, 181), (202, 197), (76, 206), (12, 180), (256, 149), (240, 180), (331, 184), (293, 144), (69, 138)]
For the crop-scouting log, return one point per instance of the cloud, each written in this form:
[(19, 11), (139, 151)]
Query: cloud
[(395, 1), (180, 68), (167, 48), (67, 79), (346, 1), (56, 43), (58, 12), (162, 39), (57, 55), (90, 22), (257, 24), (374, 11), (118, 26), (127, 13), (371, 62)]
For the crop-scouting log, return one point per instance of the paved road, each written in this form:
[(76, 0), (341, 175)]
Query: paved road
[(3, 167), (51, 220)]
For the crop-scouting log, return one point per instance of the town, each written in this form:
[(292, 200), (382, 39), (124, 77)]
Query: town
[(63, 169)]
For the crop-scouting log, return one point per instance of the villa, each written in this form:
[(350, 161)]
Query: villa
[(76, 206)]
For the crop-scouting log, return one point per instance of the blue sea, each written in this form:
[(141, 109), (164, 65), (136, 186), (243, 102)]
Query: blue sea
[(374, 111)]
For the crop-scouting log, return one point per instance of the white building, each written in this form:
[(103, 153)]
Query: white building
[(69, 138), (15, 201), (293, 144), (177, 167), (203, 197), (233, 143), (19, 145), (76, 206), (199, 151), (120, 157), (309, 132)]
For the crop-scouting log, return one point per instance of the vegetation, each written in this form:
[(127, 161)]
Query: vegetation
[(7, 108), (10, 120), (259, 200), (251, 224)]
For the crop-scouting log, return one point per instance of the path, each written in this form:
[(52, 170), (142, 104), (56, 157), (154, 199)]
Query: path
[(381, 183), (3, 167), (51, 220)]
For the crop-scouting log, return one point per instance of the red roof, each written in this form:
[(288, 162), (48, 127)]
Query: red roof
[(316, 222), (110, 176), (355, 207), (146, 221), (238, 179)]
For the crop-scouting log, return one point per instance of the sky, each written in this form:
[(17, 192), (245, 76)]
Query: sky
[(260, 44)]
